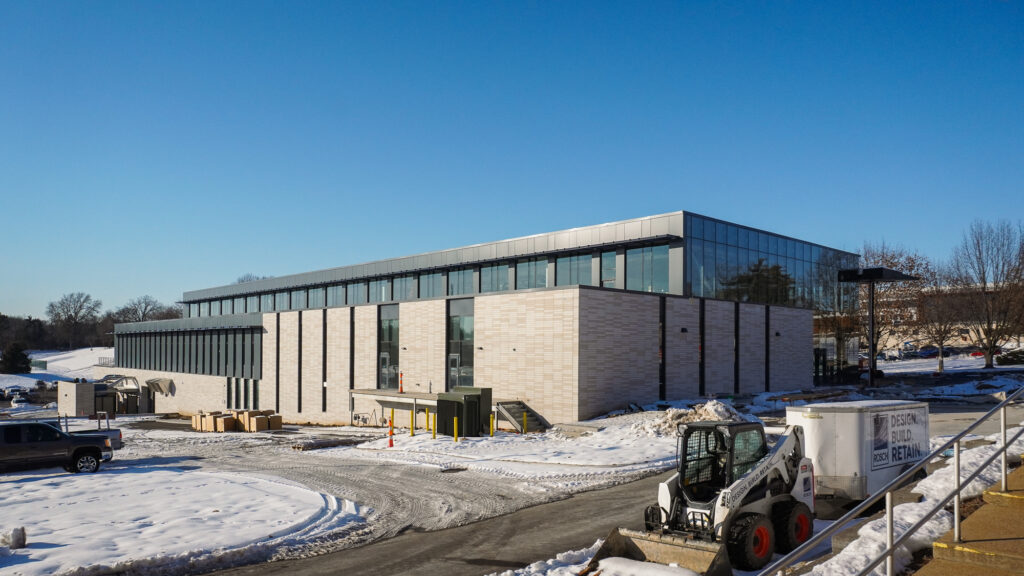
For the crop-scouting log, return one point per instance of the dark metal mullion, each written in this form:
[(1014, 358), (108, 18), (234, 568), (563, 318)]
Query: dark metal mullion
[(323, 358), (767, 348), (702, 386), (736, 349)]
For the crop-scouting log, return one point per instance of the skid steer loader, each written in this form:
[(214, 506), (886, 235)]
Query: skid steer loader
[(732, 501)]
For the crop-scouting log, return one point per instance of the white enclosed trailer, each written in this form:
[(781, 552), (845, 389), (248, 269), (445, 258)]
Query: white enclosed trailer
[(859, 447)]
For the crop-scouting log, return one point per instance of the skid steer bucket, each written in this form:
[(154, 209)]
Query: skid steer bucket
[(706, 558)]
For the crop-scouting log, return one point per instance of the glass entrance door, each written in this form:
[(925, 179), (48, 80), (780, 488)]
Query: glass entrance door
[(385, 371), (454, 365)]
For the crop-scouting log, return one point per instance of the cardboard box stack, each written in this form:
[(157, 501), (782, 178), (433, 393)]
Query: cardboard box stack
[(237, 421)]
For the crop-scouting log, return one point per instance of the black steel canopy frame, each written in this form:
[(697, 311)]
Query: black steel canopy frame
[(870, 276)]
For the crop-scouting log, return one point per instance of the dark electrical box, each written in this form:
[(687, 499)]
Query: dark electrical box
[(471, 405)]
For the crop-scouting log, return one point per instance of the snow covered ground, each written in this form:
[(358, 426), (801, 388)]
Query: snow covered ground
[(961, 363), (157, 520), (178, 500)]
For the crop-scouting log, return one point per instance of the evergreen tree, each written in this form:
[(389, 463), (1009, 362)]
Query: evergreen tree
[(15, 361)]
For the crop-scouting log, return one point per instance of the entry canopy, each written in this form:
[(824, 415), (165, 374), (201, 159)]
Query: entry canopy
[(161, 385), (871, 275)]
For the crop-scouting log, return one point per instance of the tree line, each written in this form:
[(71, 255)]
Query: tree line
[(976, 294), (75, 320)]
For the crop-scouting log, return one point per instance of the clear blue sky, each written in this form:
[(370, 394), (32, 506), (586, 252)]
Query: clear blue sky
[(153, 148)]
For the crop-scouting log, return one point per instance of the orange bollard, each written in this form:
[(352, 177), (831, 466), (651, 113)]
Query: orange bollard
[(401, 390)]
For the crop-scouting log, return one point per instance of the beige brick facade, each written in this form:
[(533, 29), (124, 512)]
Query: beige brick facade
[(618, 350), (527, 349), (569, 352), (422, 336)]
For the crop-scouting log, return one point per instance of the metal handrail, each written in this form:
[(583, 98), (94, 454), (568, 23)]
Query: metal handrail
[(787, 561)]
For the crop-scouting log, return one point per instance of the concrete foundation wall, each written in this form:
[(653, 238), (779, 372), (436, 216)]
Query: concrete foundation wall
[(528, 349), (618, 356)]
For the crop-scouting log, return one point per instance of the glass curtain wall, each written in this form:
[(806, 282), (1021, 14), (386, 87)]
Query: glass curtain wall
[(431, 285), (647, 269), (336, 295), (531, 273), (387, 347), (608, 269), (460, 343), (460, 282), (494, 278), (405, 288), (571, 270)]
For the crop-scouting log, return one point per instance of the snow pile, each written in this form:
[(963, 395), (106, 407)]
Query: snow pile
[(1002, 383), (625, 567), (162, 520), (565, 564), (939, 484), (667, 424), (871, 542)]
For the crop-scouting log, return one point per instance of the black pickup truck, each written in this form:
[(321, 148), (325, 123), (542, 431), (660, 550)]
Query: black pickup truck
[(38, 445)]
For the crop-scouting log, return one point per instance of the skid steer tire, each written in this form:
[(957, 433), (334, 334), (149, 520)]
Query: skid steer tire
[(751, 542), (793, 526)]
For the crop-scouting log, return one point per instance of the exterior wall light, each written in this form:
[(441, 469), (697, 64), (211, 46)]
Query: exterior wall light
[(683, 330), (777, 334)]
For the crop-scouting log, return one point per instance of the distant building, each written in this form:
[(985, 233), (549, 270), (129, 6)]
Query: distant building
[(573, 323)]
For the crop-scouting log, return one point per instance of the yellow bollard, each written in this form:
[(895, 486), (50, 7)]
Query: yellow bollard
[(433, 428), (412, 422), (524, 422), (492, 425), (456, 428), (428, 418), (392, 420)]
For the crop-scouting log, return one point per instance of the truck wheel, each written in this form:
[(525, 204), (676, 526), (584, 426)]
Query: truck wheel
[(86, 462), (793, 525), (751, 542)]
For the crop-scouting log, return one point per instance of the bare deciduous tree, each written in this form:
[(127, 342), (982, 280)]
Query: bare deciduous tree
[(72, 312), (938, 315), (988, 275), (250, 277), (895, 302)]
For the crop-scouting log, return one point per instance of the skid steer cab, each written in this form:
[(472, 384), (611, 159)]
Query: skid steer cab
[(733, 501)]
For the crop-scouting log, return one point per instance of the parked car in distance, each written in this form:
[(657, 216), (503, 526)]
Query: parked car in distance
[(980, 352), (18, 401), (39, 445)]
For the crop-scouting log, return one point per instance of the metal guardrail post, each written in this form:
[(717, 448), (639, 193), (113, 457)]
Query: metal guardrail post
[(1002, 430), (956, 497), (889, 521)]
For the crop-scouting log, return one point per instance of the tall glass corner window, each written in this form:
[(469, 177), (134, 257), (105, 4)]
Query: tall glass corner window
[(387, 347)]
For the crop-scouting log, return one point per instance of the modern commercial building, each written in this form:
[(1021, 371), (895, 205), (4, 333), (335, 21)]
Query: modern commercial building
[(573, 323)]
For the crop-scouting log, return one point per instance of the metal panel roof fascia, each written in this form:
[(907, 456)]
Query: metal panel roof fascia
[(251, 320), (517, 247)]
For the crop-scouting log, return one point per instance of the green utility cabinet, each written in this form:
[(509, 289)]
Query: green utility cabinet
[(471, 405)]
